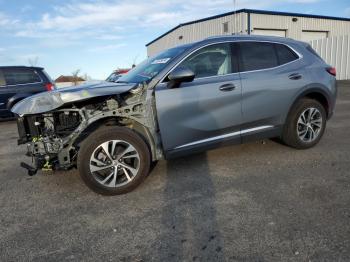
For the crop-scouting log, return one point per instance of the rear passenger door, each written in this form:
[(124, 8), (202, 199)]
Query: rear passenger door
[(271, 74)]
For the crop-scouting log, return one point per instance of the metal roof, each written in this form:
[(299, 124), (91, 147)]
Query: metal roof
[(251, 11)]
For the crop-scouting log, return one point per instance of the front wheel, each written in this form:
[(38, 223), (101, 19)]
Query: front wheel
[(305, 125), (113, 160)]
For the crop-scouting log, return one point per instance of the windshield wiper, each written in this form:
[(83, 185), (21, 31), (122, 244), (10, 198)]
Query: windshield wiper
[(121, 82)]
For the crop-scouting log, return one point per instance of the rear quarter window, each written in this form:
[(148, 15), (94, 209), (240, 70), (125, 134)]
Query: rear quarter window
[(312, 51), (285, 54), (21, 76), (47, 76)]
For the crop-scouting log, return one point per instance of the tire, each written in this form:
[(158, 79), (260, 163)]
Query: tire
[(153, 165), (121, 172), (295, 126)]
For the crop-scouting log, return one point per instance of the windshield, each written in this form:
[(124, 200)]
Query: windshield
[(151, 66), (113, 77)]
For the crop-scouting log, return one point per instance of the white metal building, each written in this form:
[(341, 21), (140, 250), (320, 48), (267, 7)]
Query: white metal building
[(336, 52), (302, 27)]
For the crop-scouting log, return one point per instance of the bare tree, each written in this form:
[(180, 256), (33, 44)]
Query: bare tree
[(87, 77), (75, 76), (33, 61), (134, 61)]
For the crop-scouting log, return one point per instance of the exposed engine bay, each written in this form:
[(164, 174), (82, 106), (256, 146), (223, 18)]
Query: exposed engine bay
[(53, 138)]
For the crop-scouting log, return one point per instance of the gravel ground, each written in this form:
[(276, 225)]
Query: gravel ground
[(256, 202)]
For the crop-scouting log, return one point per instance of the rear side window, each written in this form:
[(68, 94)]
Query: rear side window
[(257, 56), (285, 54), (21, 76)]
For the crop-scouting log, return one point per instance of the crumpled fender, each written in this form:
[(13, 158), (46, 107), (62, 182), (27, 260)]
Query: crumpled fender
[(48, 101)]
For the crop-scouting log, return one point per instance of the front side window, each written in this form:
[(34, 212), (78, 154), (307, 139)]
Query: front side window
[(213, 60), (257, 56), (20, 76)]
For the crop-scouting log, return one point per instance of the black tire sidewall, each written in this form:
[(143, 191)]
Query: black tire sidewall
[(112, 133), (291, 137)]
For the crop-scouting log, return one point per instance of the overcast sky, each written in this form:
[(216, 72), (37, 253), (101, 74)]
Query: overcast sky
[(102, 35)]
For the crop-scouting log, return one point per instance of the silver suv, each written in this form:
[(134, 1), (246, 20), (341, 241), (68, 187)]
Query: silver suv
[(219, 91)]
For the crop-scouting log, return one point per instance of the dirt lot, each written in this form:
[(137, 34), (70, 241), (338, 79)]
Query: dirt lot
[(254, 202)]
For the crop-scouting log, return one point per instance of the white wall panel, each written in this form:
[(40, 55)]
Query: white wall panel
[(308, 36), (336, 52), (271, 32), (295, 29), (199, 31)]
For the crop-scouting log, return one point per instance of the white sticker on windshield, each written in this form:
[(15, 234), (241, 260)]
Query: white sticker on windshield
[(161, 61)]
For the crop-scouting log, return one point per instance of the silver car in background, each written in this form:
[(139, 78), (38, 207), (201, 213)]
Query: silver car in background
[(188, 99)]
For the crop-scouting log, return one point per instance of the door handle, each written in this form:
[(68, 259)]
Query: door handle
[(295, 76), (227, 87)]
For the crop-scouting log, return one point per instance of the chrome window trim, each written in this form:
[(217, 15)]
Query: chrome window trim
[(26, 84), (225, 136), (300, 56)]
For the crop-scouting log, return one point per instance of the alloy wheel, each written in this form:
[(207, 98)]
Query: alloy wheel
[(115, 163), (309, 125)]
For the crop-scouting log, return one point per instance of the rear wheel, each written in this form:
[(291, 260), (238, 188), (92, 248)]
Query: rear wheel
[(305, 125), (113, 161)]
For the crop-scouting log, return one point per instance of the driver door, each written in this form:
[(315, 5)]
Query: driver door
[(206, 112)]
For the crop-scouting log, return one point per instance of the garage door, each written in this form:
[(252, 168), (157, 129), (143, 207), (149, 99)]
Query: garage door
[(308, 36), (272, 32)]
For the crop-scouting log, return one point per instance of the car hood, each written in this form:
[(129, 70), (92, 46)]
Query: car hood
[(47, 101)]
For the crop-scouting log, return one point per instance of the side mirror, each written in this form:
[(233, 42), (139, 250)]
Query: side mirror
[(180, 75)]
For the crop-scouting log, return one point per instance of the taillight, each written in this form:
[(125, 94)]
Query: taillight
[(49, 87), (332, 71)]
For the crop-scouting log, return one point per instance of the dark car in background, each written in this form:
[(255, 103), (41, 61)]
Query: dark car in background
[(19, 82)]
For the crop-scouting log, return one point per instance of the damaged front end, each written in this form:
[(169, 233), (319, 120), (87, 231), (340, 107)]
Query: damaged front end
[(53, 125), (47, 137)]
